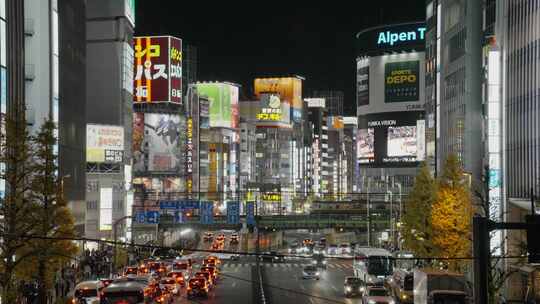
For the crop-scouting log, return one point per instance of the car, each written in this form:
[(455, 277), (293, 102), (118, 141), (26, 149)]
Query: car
[(332, 249), (235, 257), (179, 276), (353, 286), (234, 239), (87, 292), (310, 272), (212, 270), (208, 237), (215, 258), (207, 276), (266, 257), (277, 258), (318, 260), (170, 285), (221, 237), (345, 248), (181, 266), (130, 270), (216, 246), (197, 287), (377, 294)]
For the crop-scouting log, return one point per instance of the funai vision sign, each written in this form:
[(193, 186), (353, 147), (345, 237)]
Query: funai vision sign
[(391, 38)]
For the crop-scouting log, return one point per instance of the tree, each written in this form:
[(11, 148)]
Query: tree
[(451, 215), (416, 230), (16, 160), (53, 221)]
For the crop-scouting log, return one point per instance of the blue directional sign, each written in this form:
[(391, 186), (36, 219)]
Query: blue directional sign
[(152, 217), (250, 213), (139, 217), (206, 212), (233, 212)]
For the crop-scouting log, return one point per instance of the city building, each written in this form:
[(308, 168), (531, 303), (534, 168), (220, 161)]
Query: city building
[(350, 174), (453, 87), (317, 115), (390, 109), (333, 101), (109, 117), (41, 82)]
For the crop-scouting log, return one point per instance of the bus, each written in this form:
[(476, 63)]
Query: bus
[(372, 265)]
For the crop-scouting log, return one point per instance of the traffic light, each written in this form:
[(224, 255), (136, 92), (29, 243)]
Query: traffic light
[(533, 241)]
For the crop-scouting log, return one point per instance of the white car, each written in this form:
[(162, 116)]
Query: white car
[(311, 272), (377, 295), (170, 284), (332, 250), (89, 291), (345, 249)]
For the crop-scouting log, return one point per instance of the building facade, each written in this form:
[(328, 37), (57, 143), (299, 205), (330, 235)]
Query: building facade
[(109, 117), (390, 108), (333, 101)]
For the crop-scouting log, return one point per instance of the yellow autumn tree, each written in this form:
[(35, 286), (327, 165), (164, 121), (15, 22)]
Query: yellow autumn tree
[(451, 215)]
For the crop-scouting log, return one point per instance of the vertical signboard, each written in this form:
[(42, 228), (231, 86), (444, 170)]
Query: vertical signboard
[(189, 157), (362, 82), (250, 213), (212, 174), (129, 10), (207, 212), (223, 103), (158, 70), (105, 208), (233, 212)]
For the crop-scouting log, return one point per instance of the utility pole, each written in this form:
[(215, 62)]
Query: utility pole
[(115, 237)]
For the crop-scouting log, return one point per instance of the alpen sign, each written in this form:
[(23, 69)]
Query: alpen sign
[(391, 38)]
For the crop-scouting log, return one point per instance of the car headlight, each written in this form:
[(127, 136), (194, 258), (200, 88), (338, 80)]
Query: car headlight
[(324, 262), (404, 296), (362, 289), (316, 273), (370, 279), (392, 302), (372, 302), (348, 289)]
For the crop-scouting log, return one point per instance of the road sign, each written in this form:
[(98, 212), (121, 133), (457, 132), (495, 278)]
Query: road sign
[(233, 212), (250, 213), (152, 217), (139, 217), (207, 212)]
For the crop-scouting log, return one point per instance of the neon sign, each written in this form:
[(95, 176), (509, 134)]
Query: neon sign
[(391, 38)]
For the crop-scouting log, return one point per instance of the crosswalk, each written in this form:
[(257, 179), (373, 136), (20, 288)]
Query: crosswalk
[(337, 266)]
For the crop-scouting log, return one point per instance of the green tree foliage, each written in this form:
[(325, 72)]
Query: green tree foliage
[(416, 229)]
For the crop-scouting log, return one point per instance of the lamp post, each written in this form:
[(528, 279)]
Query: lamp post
[(392, 230), (115, 238)]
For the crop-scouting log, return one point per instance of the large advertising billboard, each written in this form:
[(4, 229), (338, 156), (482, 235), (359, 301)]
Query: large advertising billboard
[(401, 81), (288, 88), (391, 139), (157, 142), (223, 108), (158, 70), (104, 144), (273, 111)]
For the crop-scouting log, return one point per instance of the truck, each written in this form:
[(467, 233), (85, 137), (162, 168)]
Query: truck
[(433, 286)]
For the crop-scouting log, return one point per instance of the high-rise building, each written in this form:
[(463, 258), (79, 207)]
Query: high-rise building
[(453, 84), (350, 164), (390, 101), (41, 84), (109, 117), (333, 101), (317, 115)]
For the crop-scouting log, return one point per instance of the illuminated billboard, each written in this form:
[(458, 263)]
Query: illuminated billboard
[(362, 81), (105, 208), (157, 142), (273, 111), (223, 108), (104, 144), (391, 139), (401, 81), (158, 70), (288, 88)]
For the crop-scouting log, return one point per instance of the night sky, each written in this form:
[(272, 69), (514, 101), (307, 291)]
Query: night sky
[(238, 43)]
